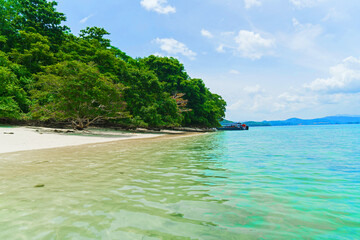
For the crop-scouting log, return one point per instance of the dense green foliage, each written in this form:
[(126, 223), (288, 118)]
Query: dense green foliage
[(47, 73), (77, 91)]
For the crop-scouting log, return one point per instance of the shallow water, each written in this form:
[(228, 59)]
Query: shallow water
[(266, 183)]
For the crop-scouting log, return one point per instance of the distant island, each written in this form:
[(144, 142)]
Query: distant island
[(298, 121)]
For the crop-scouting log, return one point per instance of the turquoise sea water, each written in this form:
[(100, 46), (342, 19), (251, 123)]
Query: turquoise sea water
[(267, 183)]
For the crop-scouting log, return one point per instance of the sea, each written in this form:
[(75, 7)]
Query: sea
[(293, 182)]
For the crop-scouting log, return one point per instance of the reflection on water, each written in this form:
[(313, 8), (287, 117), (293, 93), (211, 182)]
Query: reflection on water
[(262, 184)]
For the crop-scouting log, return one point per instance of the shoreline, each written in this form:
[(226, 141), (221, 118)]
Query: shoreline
[(25, 138)]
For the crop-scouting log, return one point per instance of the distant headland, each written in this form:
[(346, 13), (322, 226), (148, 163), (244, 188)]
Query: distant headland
[(298, 121)]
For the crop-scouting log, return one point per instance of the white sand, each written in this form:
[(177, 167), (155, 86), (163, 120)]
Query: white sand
[(31, 138)]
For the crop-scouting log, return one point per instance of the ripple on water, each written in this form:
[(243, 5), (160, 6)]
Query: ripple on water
[(269, 183)]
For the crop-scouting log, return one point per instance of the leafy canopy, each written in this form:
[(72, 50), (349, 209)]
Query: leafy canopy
[(48, 73), (78, 92)]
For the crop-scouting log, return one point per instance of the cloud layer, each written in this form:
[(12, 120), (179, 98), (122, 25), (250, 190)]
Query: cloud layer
[(172, 46), (344, 78), (206, 33), (252, 3), (305, 3), (338, 91), (252, 45), (159, 6)]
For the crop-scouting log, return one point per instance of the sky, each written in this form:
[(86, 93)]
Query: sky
[(269, 59)]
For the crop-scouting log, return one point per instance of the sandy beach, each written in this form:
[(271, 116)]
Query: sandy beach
[(16, 139)]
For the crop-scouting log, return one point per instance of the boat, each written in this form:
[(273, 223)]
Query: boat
[(234, 126)]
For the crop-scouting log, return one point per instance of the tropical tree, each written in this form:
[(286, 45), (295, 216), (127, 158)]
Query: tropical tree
[(169, 71), (207, 109), (181, 102), (146, 100), (60, 76), (13, 98), (33, 51), (203, 108), (77, 92), (40, 15), (96, 33)]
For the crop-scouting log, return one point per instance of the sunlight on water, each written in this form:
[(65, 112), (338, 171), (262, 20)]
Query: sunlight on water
[(266, 183)]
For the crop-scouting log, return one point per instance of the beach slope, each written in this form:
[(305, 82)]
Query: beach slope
[(16, 139)]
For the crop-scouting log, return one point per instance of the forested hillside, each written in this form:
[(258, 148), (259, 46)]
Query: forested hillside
[(48, 74)]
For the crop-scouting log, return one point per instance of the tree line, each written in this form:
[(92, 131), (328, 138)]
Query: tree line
[(49, 74)]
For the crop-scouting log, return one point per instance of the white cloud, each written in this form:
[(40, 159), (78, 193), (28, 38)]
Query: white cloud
[(304, 36), (85, 19), (339, 91), (333, 98), (296, 97), (252, 3), (257, 89), (206, 33), (245, 43), (337, 94), (227, 34), (261, 103), (345, 78), (220, 48), (237, 105), (252, 45), (158, 54), (306, 46), (333, 15), (306, 3), (172, 46), (233, 71), (159, 6), (252, 99), (293, 101), (295, 22)]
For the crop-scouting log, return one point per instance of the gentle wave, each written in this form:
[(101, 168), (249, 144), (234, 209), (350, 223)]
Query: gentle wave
[(266, 183)]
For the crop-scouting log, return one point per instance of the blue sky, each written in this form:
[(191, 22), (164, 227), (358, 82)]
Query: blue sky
[(269, 59)]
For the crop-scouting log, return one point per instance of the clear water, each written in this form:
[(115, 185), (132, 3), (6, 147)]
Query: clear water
[(266, 183), (5, 126)]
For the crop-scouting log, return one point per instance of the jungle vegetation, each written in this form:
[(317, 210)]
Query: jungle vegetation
[(49, 74)]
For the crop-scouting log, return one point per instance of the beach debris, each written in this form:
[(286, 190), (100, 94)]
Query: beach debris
[(177, 215), (8, 133), (64, 131), (39, 185)]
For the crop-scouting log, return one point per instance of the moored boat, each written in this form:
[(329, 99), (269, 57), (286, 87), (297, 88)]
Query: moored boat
[(234, 126)]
